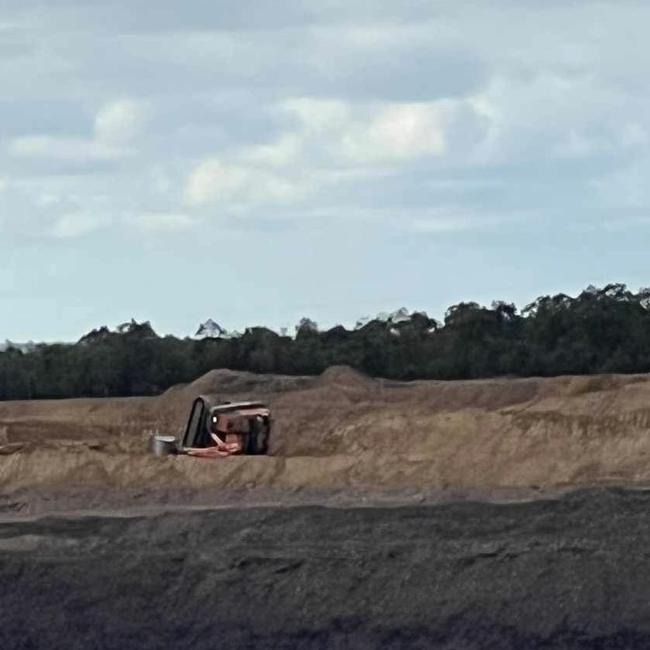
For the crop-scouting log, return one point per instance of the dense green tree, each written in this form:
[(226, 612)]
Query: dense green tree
[(600, 330)]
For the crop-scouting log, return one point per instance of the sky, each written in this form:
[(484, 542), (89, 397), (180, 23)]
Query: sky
[(260, 161)]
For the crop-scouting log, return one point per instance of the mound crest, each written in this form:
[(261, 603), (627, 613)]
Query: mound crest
[(230, 383), (345, 377)]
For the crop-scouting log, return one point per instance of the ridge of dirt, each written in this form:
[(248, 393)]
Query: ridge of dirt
[(346, 431)]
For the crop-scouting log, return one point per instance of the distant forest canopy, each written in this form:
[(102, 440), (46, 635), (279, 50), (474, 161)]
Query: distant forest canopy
[(601, 330)]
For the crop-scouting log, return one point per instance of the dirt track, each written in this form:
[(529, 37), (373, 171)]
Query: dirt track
[(571, 573), (343, 431)]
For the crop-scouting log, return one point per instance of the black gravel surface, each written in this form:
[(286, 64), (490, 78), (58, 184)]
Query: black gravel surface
[(572, 572)]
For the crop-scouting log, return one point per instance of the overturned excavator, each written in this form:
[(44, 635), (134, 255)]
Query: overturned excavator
[(216, 429)]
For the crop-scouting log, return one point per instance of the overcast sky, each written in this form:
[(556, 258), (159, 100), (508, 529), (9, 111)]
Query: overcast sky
[(257, 161)]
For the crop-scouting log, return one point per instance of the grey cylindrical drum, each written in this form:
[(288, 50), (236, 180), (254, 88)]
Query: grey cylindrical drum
[(163, 445)]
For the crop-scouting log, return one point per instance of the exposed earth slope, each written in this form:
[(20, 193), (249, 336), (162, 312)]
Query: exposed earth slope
[(344, 431)]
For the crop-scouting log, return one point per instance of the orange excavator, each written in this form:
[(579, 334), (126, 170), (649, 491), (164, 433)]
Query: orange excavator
[(218, 429)]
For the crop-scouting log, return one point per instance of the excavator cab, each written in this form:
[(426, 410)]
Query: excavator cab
[(248, 423)]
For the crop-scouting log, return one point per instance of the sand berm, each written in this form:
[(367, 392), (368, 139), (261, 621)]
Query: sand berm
[(342, 431)]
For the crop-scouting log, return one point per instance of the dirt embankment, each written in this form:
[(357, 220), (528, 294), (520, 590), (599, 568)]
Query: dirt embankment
[(344, 431)]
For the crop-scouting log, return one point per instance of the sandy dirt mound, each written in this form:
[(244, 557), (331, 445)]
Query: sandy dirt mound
[(345, 431)]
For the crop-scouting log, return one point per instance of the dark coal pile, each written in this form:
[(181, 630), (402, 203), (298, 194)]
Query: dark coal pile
[(567, 573)]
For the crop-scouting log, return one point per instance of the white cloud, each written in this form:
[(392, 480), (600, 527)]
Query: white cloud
[(398, 131), (318, 115), (163, 221), (451, 222), (120, 122), (62, 149), (3, 184), (116, 126), (280, 153), (214, 181), (379, 132), (227, 145), (551, 114), (211, 180), (330, 139), (76, 224)]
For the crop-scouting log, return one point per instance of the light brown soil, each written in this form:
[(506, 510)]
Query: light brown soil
[(344, 431)]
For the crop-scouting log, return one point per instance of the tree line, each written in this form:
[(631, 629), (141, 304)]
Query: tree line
[(600, 330)]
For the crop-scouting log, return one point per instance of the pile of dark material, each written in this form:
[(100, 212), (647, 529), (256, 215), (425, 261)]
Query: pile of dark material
[(567, 573)]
